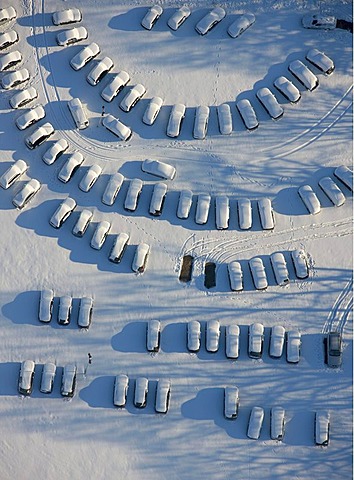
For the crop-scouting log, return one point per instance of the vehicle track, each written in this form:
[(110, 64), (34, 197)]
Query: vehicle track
[(340, 311)]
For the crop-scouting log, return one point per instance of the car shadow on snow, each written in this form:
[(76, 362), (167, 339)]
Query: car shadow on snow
[(9, 372), (132, 338)]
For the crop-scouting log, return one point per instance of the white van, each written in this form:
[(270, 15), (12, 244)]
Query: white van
[(277, 423), (119, 245), (222, 212)]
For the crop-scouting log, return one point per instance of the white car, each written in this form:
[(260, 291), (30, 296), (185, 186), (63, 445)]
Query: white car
[(13, 173), (140, 258), (244, 210), (84, 318), (247, 113), (222, 212), (151, 17), (40, 135), (184, 204), (65, 307), (345, 175), (179, 17), (30, 117), (176, 117), (322, 423), (100, 235), (320, 60), (99, 71), (7, 14), (212, 336), (115, 126), (209, 21), (203, 206), (201, 120), (70, 166), (193, 336), (68, 381), (224, 119), (26, 194), (9, 60), (158, 199), (255, 423), (47, 379), (310, 199), (133, 193), (84, 56), (46, 305), (304, 75), (270, 103), (280, 269), (141, 391), (82, 223), (120, 390), (152, 110), (62, 213), (113, 186), (255, 340), (78, 113), (153, 335), (333, 192), (293, 344), (63, 17), (132, 97), (258, 273), (319, 21), (277, 423), (13, 79), (119, 245), (159, 169), (232, 341), (235, 276), (118, 82), (90, 178), (301, 267), (23, 97), (73, 35), (241, 24), (231, 402), (276, 344), (163, 394), (8, 38), (25, 379), (287, 88), (54, 152)]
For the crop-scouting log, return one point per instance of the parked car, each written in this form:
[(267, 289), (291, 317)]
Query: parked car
[(300, 263), (193, 336), (46, 305), (85, 312), (247, 113), (345, 175), (224, 119), (82, 223), (334, 349), (73, 35), (255, 423), (231, 402), (212, 336), (235, 276), (7, 14), (152, 110), (201, 120), (322, 423), (117, 84), (258, 273), (23, 197), (70, 166), (319, 21), (304, 75), (270, 103), (288, 89), (184, 204), (119, 245), (133, 193), (84, 56), (40, 135), (255, 340), (151, 17), (320, 60), (310, 199), (280, 269), (276, 344), (9, 60), (113, 186), (140, 258), (203, 205), (62, 213), (163, 394), (99, 71), (222, 212), (65, 306), (293, 344), (159, 169), (23, 97), (232, 341), (100, 234), (13, 173), (277, 423), (158, 199), (78, 113), (25, 379), (178, 17), (47, 379), (132, 97), (266, 213), (244, 210), (176, 117), (30, 117), (153, 335), (241, 24), (209, 21), (68, 381), (141, 390), (13, 79), (114, 125), (64, 17), (54, 152), (90, 178), (333, 192), (120, 390)]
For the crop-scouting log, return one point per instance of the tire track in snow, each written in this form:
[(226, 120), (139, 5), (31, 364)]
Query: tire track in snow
[(340, 311)]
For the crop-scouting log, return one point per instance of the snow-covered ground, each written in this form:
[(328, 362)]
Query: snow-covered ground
[(48, 437)]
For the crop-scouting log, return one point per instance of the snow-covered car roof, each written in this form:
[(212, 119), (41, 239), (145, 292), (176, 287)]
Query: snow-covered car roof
[(235, 276), (224, 119), (41, 134), (247, 113), (201, 122), (120, 390), (303, 74), (184, 203), (287, 88), (320, 60), (277, 415), (277, 338), (100, 234), (310, 199), (84, 56), (159, 169), (299, 259), (112, 188), (70, 166), (132, 97), (46, 305), (68, 380), (12, 79), (26, 377), (203, 206), (99, 70), (85, 312), (333, 192), (115, 126), (210, 20), (151, 17), (48, 374), (244, 209), (7, 14), (65, 306), (26, 194), (293, 343), (141, 390), (118, 247), (232, 341), (322, 420), (23, 97), (319, 21), (280, 269), (255, 423), (78, 113), (133, 192), (53, 152), (153, 333), (193, 335), (212, 335), (345, 175), (270, 103), (175, 119), (30, 117), (258, 273), (62, 212), (178, 17), (255, 340), (9, 60), (90, 178), (231, 400), (162, 395), (157, 198), (72, 35), (152, 110), (141, 253), (114, 87), (8, 38), (222, 212), (82, 223), (69, 15), (241, 24), (13, 173)]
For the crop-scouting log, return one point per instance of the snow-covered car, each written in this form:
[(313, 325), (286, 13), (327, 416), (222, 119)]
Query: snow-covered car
[(26, 375), (26, 194), (82, 223), (303, 74), (113, 186), (13, 173), (46, 305), (293, 344), (244, 210), (159, 169), (322, 423), (151, 17), (73, 35), (287, 88), (300, 263), (258, 273), (176, 117), (310, 199), (78, 113), (9, 60), (235, 276), (115, 126), (203, 206), (13, 79), (212, 336), (224, 119), (7, 14), (8, 38), (153, 335), (99, 71), (280, 269), (64, 17), (255, 340), (84, 318), (40, 135), (23, 97), (255, 423), (119, 245), (65, 307), (120, 391), (140, 258), (100, 234), (84, 56), (68, 380), (62, 213), (54, 152), (90, 178), (141, 391), (277, 423), (247, 113), (201, 120), (30, 117), (178, 17), (222, 212), (184, 204), (163, 394), (270, 103), (132, 97), (333, 192), (70, 166), (117, 84), (193, 336), (158, 199), (152, 110), (232, 341), (231, 402), (276, 344), (209, 21), (241, 24), (345, 175), (334, 349), (133, 194), (319, 21), (47, 379), (320, 60)]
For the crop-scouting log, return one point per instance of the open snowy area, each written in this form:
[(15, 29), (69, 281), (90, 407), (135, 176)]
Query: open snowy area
[(52, 437)]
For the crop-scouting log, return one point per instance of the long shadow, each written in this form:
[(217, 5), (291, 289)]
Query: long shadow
[(174, 337), (9, 372), (132, 339), (99, 393)]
